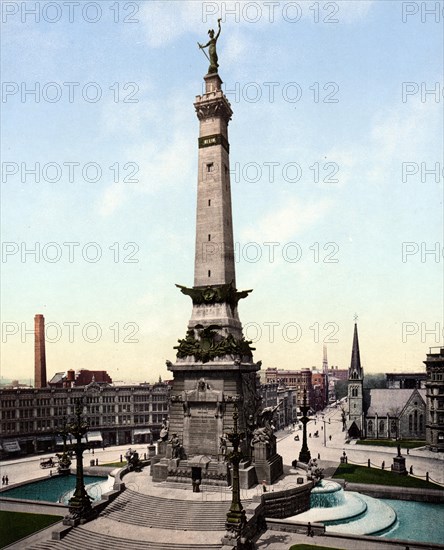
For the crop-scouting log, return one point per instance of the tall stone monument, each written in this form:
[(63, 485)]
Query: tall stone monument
[(214, 367)]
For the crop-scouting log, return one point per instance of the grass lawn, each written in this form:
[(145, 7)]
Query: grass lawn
[(115, 464), (311, 547), (16, 525), (405, 444), (373, 476)]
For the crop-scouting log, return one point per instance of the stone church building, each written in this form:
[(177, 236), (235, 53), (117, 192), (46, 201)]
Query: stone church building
[(382, 413)]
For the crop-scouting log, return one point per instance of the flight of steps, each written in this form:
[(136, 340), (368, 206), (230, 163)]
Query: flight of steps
[(164, 513), (82, 539), (203, 488)]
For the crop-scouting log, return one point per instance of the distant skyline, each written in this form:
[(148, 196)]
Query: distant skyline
[(338, 124)]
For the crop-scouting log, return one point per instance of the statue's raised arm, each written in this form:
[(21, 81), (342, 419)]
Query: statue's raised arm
[(211, 45)]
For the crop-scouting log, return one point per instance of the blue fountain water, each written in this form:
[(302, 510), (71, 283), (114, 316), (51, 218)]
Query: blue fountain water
[(54, 488), (327, 495), (348, 513)]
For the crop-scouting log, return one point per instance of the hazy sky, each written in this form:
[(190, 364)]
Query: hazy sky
[(335, 133)]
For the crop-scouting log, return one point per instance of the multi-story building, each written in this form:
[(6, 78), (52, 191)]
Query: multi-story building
[(435, 399), (339, 374), (288, 410), (269, 394), (405, 380), (82, 377), (320, 389), (32, 417), (297, 380)]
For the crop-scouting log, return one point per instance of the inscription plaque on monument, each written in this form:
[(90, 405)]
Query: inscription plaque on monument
[(202, 430)]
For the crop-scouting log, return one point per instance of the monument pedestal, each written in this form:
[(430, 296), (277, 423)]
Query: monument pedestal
[(268, 464), (398, 466), (151, 450), (159, 471)]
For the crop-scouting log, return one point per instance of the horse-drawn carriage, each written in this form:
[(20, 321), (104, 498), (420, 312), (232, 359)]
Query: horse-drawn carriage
[(48, 462)]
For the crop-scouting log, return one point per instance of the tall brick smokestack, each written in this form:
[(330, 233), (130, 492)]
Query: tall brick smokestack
[(39, 352)]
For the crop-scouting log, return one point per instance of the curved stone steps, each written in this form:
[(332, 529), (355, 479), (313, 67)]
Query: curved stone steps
[(81, 539), (162, 513)]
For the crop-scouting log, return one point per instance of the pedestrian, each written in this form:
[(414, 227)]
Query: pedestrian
[(329, 437), (6, 480), (3, 480), (411, 471), (309, 530), (383, 465), (319, 456), (50, 473), (309, 435), (408, 451), (93, 451)]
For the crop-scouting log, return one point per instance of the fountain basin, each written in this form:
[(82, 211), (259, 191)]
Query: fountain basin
[(52, 489), (346, 513)]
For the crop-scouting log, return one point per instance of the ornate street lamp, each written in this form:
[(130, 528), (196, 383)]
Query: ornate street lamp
[(304, 455), (236, 518), (63, 467), (80, 509)]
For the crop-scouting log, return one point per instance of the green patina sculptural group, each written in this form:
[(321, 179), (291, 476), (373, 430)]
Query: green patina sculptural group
[(210, 344), (226, 293)]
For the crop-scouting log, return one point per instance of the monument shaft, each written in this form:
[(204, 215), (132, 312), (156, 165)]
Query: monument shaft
[(214, 368)]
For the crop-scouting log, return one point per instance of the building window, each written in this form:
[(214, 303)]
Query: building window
[(410, 423), (210, 167), (209, 202), (381, 426), (209, 273), (209, 237), (370, 426), (421, 422)]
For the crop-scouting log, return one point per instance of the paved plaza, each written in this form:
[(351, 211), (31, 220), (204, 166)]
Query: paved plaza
[(140, 486)]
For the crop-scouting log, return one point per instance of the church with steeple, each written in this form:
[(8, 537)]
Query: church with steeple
[(382, 413), (355, 391)]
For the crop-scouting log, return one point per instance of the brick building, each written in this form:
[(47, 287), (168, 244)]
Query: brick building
[(82, 377), (297, 380), (435, 399), (30, 418)]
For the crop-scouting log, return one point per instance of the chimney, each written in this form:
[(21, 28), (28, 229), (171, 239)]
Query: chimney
[(39, 352)]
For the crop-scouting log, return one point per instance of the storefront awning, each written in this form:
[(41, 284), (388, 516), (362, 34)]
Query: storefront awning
[(94, 436), (11, 446), (59, 440), (142, 431)]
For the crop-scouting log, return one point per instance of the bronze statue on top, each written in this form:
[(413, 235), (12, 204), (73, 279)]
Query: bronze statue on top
[(211, 45)]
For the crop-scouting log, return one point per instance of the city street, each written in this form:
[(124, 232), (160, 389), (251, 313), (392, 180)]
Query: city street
[(19, 470), (331, 450), (25, 469)]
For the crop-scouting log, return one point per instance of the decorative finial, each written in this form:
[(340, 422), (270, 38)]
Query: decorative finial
[(355, 317)]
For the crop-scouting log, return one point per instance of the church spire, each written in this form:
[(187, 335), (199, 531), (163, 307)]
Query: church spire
[(355, 371)]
